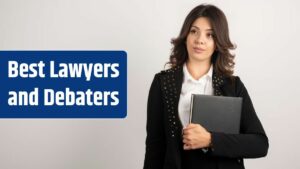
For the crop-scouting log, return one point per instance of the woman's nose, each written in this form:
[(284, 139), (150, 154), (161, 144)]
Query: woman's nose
[(199, 39)]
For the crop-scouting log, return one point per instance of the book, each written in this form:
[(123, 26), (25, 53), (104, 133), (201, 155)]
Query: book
[(216, 113)]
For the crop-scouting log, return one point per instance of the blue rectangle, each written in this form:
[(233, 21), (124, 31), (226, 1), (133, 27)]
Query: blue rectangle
[(104, 95)]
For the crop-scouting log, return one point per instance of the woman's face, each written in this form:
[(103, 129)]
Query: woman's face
[(200, 42)]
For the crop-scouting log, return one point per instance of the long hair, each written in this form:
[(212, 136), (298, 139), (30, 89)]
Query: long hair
[(222, 59)]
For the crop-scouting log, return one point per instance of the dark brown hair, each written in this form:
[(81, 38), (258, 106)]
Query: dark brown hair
[(222, 59)]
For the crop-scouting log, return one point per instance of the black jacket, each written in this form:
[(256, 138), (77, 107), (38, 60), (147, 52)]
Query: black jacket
[(164, 147)]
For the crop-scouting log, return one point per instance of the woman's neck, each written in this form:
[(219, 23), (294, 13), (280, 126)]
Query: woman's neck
[(198, 69)]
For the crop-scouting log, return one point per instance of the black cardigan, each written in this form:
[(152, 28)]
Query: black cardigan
[(164, 147)]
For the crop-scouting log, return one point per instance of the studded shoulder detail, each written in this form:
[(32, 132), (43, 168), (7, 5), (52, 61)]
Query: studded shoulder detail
[(218, 81)]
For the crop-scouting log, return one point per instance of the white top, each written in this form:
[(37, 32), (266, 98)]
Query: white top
[(192, 86)]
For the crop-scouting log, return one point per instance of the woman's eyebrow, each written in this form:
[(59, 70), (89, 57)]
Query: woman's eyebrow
[(209, 29)]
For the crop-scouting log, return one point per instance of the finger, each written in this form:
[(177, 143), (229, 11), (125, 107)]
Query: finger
[(198, 127), (186, 147), (185, 141), (186, 132), (191, 125), (190, 131), (187, 138), (190, 128), (184, 136), (194, 126)]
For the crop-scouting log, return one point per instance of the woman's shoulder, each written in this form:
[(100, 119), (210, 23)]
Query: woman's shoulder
[(168, 75), (234, 83), (234, 80), (169, 71)]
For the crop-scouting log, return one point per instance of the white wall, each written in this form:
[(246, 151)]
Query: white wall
[(267, 59)]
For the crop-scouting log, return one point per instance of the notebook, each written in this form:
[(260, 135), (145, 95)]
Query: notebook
[(216, 113)]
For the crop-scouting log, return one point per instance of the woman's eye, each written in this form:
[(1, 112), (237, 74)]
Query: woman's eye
[(210, 35), (193, 31)]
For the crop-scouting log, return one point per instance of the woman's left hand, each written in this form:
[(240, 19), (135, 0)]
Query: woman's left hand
[(195, 136)]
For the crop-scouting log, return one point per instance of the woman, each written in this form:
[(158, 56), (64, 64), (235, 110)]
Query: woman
[(202, 64)]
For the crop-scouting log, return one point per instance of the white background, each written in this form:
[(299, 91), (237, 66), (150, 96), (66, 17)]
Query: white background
[(267, 58)]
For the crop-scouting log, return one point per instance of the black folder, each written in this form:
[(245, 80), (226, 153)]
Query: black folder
[(216, 113)]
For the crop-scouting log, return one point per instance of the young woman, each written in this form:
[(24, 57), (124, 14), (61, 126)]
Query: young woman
[(200, 64)]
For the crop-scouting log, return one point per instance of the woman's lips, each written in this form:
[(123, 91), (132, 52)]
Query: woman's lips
[(198, 50)]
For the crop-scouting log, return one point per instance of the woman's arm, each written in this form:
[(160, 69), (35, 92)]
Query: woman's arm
[(252, 142), (155, 141)]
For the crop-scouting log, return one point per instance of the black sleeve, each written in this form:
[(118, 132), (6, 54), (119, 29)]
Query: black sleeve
[(155, 140), (252, 142)]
